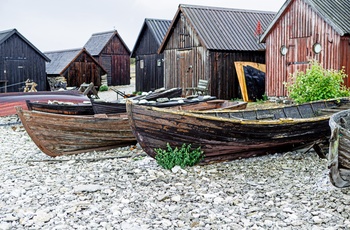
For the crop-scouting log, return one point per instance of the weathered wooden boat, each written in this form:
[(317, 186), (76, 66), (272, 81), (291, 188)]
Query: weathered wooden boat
[(162, 92), (60, 107), (107, 107), (100, 106), (58, 134), (339, 149), (8, 101), (213, 105), (227, 135)]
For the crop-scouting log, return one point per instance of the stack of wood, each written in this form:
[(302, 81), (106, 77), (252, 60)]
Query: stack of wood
[(30, 86), (104, 80), (57, 83)]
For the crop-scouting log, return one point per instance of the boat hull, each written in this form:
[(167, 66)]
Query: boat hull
[(62, 108), (108, 107), (57, 134), (339, 149), (227, 137), (8, 101)]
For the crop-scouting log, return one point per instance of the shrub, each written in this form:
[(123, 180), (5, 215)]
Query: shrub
[(169, 157), (104, 88), (137, 92), (317, 83)]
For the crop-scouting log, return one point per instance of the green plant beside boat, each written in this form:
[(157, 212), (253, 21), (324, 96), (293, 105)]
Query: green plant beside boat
[(103, 88), (317, 83), (184, 156)]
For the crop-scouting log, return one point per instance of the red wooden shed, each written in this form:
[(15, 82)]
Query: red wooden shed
[(303, 30)]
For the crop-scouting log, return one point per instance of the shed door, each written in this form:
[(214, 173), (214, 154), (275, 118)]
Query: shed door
[(298, 56), (16, 72), (107, 65), (185, 69)]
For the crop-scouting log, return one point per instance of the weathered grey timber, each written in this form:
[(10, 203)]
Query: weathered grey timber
[(339, 149)]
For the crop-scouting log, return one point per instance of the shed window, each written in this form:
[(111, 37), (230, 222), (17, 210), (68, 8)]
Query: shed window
[(142, 65), (159, 62)]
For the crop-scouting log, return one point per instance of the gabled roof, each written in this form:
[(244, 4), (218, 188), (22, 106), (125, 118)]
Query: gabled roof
[(335, 13), (4, 35), (98, 42), (223, 28), (61, 60), (158, 28)]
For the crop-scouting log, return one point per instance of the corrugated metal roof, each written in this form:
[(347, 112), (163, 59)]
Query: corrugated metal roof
[(335, 13), (98, 41), (225, 28), (158, 27), (4, 35), (60, 60)]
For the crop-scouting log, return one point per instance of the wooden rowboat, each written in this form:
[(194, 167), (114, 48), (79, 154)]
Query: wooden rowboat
[(67, 108), (339, 149), (213, 105), (227, 135), (105, 107), (58, 134), (120, 106), (8, 101), (162, 92)]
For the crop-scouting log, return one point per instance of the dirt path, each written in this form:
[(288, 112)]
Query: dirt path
[(110, 95)]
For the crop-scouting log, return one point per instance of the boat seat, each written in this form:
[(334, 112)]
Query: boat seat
[(265, 116), (201, 89)]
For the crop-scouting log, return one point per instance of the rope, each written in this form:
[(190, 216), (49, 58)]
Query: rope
[(3, 87)]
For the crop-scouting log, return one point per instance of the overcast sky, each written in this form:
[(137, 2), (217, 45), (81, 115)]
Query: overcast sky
[(52, 25)]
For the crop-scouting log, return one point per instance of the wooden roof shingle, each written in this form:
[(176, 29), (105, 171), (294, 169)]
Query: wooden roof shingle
[(223, 28)]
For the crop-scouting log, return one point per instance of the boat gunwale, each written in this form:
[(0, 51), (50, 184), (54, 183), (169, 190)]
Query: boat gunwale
[(334, 124), (208, 116)]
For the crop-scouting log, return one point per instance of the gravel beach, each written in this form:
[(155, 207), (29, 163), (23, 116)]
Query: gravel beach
[(126, 189)]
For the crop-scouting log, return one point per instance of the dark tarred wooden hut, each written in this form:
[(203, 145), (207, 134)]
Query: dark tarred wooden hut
[(204, 42), (109, 49), (149, 66), (76, 65), (303, 30), (20, 60)]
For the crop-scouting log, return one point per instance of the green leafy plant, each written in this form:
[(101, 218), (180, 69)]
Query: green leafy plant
[(317, 83), (263, 99), (184, 156), (138, 158), (103, 88), (137, 92)]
